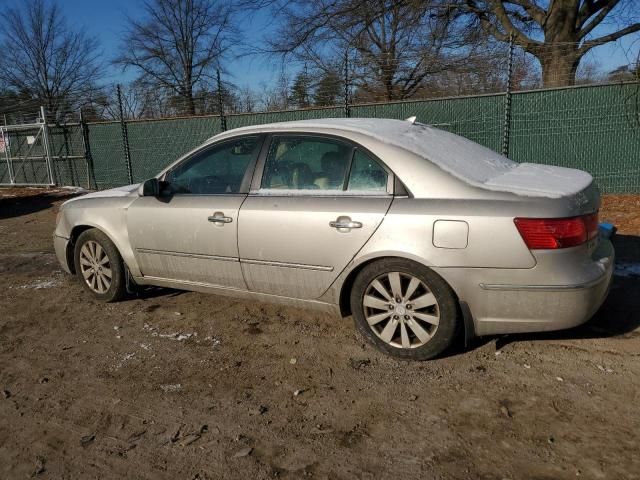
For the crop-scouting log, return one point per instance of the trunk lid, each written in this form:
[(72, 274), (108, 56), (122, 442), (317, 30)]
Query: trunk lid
[(534, 180)]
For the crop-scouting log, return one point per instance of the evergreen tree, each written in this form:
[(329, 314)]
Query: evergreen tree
[(328, 90)]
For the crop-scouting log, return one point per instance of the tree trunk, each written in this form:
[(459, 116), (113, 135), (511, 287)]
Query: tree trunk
[(559, 66), (190, 103)]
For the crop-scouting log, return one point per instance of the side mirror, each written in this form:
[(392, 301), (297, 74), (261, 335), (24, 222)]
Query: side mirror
[(149, 188)]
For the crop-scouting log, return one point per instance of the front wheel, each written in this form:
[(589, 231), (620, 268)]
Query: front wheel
[(99, 266), (404, 309)]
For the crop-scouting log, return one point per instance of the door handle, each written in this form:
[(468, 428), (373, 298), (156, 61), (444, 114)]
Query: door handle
[(345, 222), (219, 218)]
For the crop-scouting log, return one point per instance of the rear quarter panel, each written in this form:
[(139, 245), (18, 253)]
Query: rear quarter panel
[(493, 240)]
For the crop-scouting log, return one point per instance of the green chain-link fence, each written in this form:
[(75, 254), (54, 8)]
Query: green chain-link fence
[(593, 128)]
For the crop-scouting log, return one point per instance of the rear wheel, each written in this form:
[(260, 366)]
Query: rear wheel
[(404, 309), (99, 266)]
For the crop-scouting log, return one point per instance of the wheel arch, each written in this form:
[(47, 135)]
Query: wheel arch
[(71, 244), (75, 233), (344, 299), (350, 277)]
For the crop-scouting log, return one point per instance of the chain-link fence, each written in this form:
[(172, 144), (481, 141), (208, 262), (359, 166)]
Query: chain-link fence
[(594, 128)]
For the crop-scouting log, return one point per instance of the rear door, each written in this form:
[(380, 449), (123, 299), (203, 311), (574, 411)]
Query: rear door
[(315, 201), (190, 232)]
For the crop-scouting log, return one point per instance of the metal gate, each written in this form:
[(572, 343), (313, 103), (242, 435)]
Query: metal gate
[(25, 154)]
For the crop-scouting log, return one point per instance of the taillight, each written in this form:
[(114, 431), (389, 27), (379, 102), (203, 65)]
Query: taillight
[(592, 225), (553, 233)]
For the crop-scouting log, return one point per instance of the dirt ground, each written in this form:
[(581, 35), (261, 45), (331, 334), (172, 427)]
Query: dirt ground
[(190, 386)]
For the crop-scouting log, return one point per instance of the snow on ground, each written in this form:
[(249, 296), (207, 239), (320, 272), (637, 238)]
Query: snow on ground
[(39, 284), (77, 190), (179, 336), (171, 387)]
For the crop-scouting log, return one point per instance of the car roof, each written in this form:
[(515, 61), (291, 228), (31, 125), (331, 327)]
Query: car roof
[(454, 154), (423, 146)]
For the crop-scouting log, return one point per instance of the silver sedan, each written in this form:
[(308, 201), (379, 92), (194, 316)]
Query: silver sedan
[(419, 234)]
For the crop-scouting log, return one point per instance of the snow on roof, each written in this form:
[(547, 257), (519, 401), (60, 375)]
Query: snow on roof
[(470, 162), (450, 152)]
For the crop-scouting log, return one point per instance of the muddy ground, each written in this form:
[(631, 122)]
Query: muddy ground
[(190, 386)]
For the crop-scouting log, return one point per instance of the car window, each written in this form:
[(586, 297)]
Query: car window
[(306, 163), (216, 170), (366, 174)]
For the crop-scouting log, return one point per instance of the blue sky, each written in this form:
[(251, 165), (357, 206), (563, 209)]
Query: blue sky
[(105, 20)]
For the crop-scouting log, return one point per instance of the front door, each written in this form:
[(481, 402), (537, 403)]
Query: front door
[(190, 232), (317, 203)]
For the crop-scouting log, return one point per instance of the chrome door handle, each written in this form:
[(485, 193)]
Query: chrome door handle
[(345, 222), (220, 218)]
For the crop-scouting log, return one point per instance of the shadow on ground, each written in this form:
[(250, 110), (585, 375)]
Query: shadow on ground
[(618, 316), (11, 207)]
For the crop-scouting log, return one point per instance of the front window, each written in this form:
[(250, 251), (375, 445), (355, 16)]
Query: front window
[(216, 170)]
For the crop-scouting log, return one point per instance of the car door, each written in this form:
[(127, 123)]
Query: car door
[(189, 232), (315, 201)]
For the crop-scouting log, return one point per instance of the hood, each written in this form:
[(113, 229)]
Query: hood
[(125, 191)]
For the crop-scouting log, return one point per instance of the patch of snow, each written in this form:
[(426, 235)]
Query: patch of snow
[(40, 284), (171, 387), (71, 189), (175, 336), (627, 269), (468, 161), (125, 358), (532, 179), (113, 192), (215, 341), (179, 336), (279, 192)]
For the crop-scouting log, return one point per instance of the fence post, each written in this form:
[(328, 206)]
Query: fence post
[(125, 136), (223, 119), (46, 145), (347, 110), (86, 147), (5, 140), (506, 128)]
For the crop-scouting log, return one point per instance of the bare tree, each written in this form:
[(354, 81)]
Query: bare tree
[(395, 44), (178, 44), (47, 60), (558, 32)]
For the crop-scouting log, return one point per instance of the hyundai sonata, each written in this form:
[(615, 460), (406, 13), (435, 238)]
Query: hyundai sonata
[(417, 233)]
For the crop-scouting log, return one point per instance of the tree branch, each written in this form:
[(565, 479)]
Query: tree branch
[(595, 21), (612, 37)]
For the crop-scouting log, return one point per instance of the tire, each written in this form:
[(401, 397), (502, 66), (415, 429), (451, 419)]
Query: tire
[(96, 257), (426, 321)]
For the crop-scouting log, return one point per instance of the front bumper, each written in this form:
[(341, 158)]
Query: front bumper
[(60, 245), (564, 290)]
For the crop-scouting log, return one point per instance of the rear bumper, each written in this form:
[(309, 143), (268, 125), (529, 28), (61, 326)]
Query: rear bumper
[(564, 290), (60, 246)]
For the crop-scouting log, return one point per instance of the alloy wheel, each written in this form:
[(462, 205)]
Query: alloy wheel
[(95, 267), (401, 310)]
